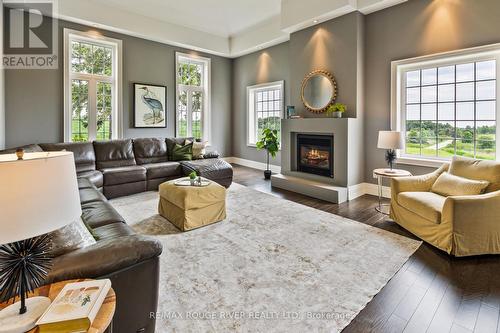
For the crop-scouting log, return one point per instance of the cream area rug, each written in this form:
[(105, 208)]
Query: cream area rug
[(272, 266)]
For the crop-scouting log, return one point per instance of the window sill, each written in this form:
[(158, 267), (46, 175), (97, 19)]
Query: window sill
[(425, 162)]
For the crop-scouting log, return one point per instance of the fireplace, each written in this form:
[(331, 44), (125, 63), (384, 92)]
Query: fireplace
[(315, 154)]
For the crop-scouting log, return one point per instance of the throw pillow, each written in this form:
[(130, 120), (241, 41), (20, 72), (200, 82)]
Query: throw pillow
[(198, 149), (72, 237), (448, 185), (182, 153)]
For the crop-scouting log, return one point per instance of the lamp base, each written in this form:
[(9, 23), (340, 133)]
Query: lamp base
[(13, 322)]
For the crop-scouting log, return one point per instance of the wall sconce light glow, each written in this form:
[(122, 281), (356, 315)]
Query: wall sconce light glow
[(318, 48), (95, 33), (263, 65), (440, 25)]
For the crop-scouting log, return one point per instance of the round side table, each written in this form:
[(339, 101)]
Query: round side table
[(386, 173), (102, 322)]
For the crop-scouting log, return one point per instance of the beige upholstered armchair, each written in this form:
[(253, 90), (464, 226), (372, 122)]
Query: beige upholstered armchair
[(461, 225)]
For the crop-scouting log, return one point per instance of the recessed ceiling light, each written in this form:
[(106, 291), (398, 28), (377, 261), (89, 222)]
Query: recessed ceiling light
[(315, 21)]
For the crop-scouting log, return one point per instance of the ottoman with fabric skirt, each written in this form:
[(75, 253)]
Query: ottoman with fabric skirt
[(191, 207)]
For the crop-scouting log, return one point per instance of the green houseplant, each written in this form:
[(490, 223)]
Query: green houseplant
[(270, 142), (336, 110), (192, 177)]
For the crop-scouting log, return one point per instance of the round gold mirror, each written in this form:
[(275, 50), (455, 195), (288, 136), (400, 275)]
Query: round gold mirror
[(319, 90)]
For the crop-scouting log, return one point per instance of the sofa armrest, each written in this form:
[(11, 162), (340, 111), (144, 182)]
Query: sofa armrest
[(104, 257), (473, 214), (421, 183)]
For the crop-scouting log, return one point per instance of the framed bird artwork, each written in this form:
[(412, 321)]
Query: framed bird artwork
[(150, 110)]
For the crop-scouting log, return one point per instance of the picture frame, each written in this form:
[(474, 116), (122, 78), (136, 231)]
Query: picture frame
[(150, 105)]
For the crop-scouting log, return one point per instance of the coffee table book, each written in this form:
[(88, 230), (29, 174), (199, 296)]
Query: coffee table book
[(75, 308)]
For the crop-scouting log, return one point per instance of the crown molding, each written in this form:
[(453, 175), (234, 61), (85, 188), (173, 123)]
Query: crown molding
[(294, 16)]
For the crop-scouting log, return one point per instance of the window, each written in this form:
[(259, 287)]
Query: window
[(92, 70), (446, 105), (193, 96), (265, 109)]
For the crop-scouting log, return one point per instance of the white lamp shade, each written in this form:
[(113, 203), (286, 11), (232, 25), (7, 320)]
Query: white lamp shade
[(390, 140), (38, 194)]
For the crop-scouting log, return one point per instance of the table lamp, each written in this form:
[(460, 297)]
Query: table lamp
[(390, 140), (38, 194)]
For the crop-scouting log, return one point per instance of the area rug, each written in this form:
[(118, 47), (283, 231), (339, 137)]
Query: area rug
[(272, 266)]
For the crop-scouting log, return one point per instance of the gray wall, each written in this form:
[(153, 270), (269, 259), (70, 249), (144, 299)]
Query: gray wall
[(34, 98), (268, 65), (331, 46), (416, 28)]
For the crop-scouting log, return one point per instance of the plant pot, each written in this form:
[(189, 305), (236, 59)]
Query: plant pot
[(267, 174), (337, 114), (192, 181)]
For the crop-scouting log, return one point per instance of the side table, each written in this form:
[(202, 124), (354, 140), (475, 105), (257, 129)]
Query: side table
[(380, 174), (103, 322)]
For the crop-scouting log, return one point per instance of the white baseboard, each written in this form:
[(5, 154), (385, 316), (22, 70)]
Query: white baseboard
[(252, 164), (355, 191), (373, 190)]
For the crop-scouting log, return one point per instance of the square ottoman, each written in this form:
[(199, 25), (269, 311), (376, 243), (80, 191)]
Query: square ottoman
[(190, 207)]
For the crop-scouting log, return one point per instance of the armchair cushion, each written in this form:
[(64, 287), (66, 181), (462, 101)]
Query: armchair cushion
[(428, 205), (448, 185), (421, 183), (477, 170)]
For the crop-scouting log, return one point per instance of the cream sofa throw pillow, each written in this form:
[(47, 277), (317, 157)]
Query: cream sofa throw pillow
[(199, 150), (450, 185)]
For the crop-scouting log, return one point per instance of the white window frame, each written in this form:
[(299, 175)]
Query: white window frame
[(398, 96), (205, 89), (252, 110), (115, 80)]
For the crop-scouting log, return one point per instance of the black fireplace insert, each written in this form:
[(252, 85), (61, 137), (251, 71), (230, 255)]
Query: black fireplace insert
[(315, 154)]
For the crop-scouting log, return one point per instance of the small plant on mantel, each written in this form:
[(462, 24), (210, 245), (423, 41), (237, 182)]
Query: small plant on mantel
[(271, 143), (336, 110)]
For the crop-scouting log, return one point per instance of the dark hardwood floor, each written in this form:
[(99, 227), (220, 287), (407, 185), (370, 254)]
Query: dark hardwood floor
[(432, 292)]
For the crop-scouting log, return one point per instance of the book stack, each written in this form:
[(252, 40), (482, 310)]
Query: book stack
[(75, 308)]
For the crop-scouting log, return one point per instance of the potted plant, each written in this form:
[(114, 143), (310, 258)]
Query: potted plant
[(270, 142), (336, 110), (192, 177)]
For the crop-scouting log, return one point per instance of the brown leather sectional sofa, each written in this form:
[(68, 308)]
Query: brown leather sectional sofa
[(123, 167), (111, 169)]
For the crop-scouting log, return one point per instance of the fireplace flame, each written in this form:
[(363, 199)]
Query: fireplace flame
[(315, 154)]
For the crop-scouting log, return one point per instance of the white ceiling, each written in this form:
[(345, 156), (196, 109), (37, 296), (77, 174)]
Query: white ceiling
[(229, 28), (219, 17)]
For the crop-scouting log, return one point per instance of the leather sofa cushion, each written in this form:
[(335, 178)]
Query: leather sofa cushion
[(33, 148), (99, 213), (95, 177), (211, 168), (82, 151), (171, 142), (428, 205), (84, 183), (91, 194), (104, 258), (124, 175), (114, 153), (150, 150), (113, 230), (163, 170), (477, 170)]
